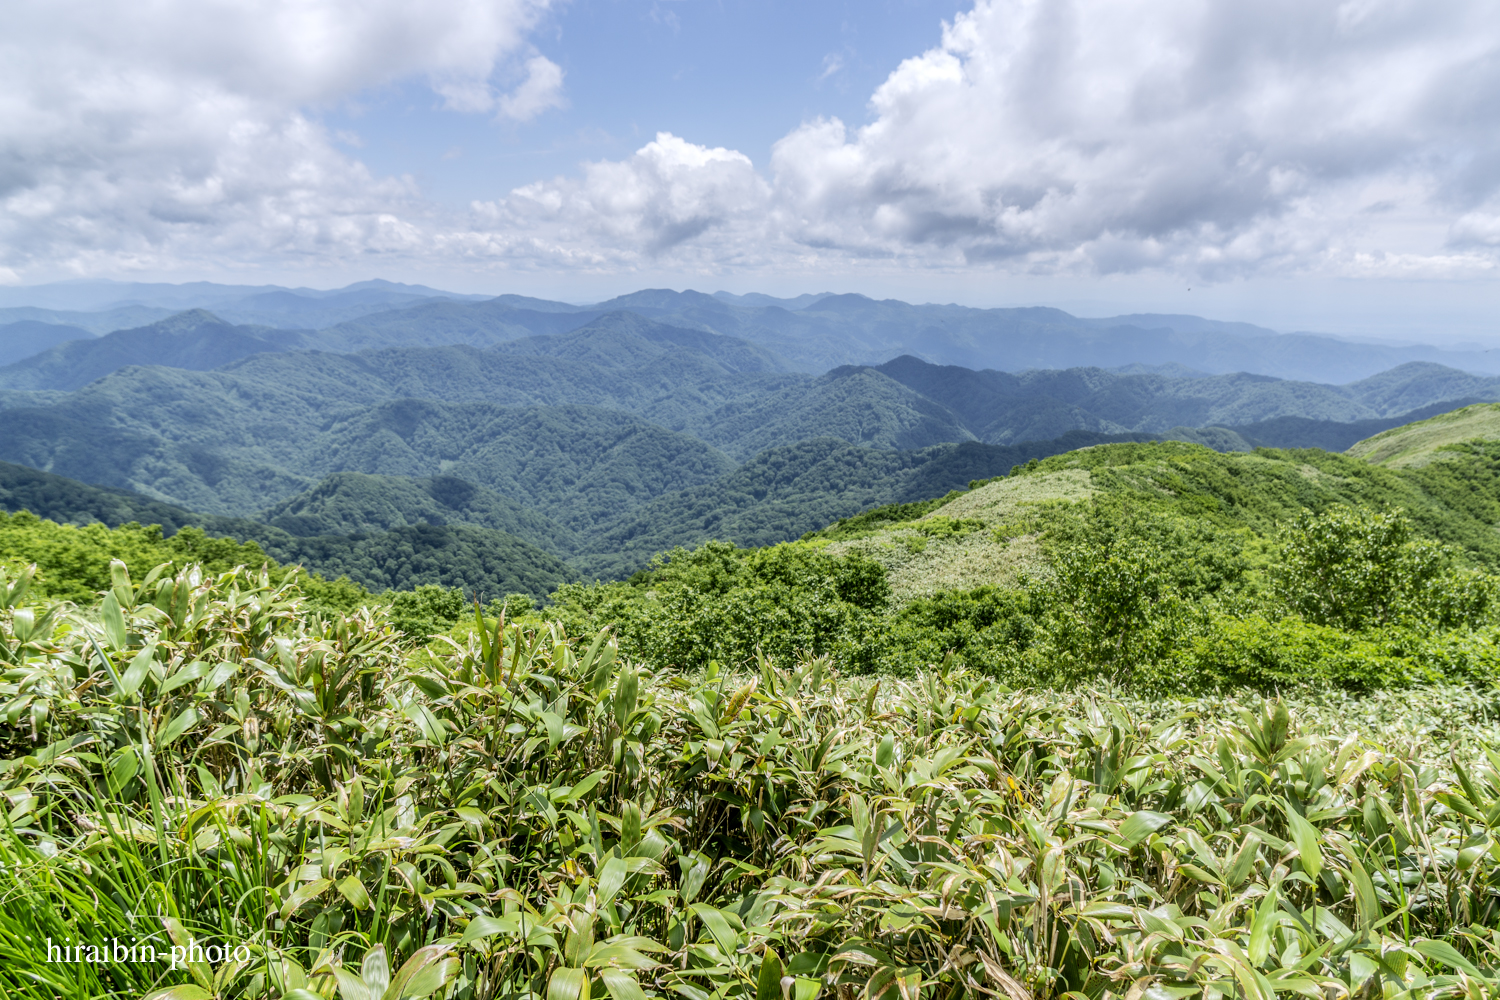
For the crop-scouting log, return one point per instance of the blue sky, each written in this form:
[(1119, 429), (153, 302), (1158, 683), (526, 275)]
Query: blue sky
[(1328, 165), (734, 73)]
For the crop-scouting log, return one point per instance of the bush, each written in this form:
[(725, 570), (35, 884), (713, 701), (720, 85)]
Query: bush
[(1353, 568), (1125, 581), (987, 628), (1265, 654), (719, 602)]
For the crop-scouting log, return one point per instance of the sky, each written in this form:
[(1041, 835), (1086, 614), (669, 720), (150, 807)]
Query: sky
[(1313, 165)]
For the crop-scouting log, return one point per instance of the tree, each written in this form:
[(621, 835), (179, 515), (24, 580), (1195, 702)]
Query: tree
[(1354, 568)]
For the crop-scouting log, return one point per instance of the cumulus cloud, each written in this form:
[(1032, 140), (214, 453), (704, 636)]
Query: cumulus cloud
[(1114, 136), (540, 91), (1123, 134), (146, 133), (1341, 137), (670, 193)]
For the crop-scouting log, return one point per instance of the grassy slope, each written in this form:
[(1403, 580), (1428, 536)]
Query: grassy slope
[(786, 492), (980, 537), (921, 558), (1417, 444)]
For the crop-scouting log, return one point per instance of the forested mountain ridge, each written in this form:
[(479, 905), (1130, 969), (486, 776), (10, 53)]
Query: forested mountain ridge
[(103, 306), (1000, 406), (348, 503), (813, 332), (375, 527), (349, 521), (223, 443), (268, 426), (196, 340), (24, 338), (479, 559), (843, 329)]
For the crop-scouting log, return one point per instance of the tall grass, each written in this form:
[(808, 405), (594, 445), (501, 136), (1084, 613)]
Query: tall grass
[(526, 814)]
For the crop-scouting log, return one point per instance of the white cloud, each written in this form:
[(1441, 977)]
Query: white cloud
[(1122, 134), (1065, 137), (540, 91), (1099, 136), (143, 134), (670, 194)]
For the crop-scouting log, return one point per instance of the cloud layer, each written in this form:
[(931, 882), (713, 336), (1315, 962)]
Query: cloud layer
[(1099, 136), (1356, 138), (178, 130)]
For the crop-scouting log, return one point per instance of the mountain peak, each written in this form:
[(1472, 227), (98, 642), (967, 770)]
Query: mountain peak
[(189, 321)]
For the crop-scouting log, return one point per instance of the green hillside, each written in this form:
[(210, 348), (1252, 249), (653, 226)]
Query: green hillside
[(227, 443), (785, 492), (482, 562), (65, 528), (196, 340), (348, 503), (23, 338), (1418, 444), (860, 406), (1165, 565)]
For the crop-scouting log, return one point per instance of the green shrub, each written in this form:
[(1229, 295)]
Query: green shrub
[(1267, 654), (1354, 568), (719, 602), (987, 629)]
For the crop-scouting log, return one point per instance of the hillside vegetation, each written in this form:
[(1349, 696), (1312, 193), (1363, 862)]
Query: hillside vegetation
[(64, 527), (198, 762), (263, 430), (1162, 566), (1431, 440)]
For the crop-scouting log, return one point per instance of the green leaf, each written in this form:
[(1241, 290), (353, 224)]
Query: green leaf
[(375, 970), (428, 724), (114, 622), (1305, 838), (298, 899), (718, 926), (768, 983), (187, 991), (625, 695), (621, 985), (483, 927), (568, 984), (352, 889), (185, 674), (186, 719), (351, 986), (807, 989), (135, 674), (1265, 920), (1140, 825), (429, 969), (200, 970), (611, 879), (1444, 952)]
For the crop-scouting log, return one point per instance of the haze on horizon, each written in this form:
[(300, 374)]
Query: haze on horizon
[(1330, 166)]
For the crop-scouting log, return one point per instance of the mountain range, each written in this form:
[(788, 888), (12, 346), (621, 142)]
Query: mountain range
[(596, 437), (813, 332)]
